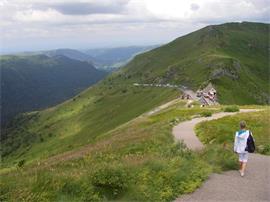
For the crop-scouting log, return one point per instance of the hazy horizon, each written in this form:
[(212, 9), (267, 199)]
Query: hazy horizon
[(79, 49), (44, 25)]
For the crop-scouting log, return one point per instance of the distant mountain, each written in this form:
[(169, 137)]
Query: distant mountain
[(234, 57), (38, 81), (111, 58), (107, 59), (70, 53)]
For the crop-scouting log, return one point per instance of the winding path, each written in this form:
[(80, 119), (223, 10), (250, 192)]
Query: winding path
[(228, 186)]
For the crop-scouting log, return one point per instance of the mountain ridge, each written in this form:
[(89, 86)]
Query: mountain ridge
[(236, 52)]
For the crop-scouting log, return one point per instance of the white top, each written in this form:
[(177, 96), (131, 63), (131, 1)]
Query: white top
[(240, 141)]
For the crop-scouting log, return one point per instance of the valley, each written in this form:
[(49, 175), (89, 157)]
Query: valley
[(36, 82)]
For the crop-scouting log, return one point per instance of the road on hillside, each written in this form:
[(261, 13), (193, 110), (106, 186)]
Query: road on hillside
[(228, 186)]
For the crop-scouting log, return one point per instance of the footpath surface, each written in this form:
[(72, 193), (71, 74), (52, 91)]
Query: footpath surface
[(228, 186)]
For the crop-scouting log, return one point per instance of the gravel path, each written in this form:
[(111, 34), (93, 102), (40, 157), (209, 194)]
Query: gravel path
[(228, 186)]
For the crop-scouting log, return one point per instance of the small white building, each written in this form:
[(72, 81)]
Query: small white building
[(208, 95), (210, 90)]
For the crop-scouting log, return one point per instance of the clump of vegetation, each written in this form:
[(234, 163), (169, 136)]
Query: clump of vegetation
[(264, 149), (21, 163), (220, 157), (110, 180), (164, 179), (206, 113), (232, 108)]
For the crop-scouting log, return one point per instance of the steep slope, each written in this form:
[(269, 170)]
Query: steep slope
[(33, 82), (78, 121), (233, 56)]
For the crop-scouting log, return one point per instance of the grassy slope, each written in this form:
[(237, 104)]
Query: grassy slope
[(78, 121), (137, 161), (238, 51), (220, 131)]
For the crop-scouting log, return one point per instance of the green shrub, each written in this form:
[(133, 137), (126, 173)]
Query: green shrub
[(21, 163), (220, 158), (71, 187), (44, 188), (4, 191), (110, 180), (165, 179), (232, 108), (89, 194), (265, 149), (206, 113), (177, 149)]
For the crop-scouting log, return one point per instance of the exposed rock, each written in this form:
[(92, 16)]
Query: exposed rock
[(228, 70), (220, 72), (236, 65)]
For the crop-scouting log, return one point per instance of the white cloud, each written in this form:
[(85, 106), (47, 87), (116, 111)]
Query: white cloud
[(112, 22)]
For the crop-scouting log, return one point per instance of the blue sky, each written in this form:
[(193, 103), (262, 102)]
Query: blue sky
[(28, 25)]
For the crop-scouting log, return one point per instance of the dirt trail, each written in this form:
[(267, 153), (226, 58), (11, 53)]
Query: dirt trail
[(164, 106), (228, 186)]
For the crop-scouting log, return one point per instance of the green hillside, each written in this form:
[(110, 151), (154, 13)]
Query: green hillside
[(233, 56), (35, 82), (78, 121)]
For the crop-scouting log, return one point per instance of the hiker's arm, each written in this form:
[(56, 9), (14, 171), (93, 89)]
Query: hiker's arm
[(235, 142)]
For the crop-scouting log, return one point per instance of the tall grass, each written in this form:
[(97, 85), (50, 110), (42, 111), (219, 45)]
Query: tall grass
[(232, 108), (222, 131)]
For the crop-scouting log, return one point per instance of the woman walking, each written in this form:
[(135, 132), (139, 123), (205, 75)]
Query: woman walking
[(240, 144)]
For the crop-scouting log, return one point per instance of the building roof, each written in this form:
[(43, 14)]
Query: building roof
[(208, 88)]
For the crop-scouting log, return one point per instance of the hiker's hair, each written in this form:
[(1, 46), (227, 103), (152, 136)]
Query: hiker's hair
[(243, 124)]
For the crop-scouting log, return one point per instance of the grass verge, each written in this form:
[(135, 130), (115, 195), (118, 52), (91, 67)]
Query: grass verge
[(221, 131)]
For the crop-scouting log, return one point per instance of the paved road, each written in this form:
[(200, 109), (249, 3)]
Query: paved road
[(184, 131), (228, 186)]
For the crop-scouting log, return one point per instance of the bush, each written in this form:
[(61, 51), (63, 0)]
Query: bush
[(220, 158), (206, 113), (164, 179), (124, 90), (110, 180), (232, 108), (70, 187), (265, 149), (89, 194), (21, 163)]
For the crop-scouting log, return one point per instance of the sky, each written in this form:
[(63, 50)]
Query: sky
[(29, 25)]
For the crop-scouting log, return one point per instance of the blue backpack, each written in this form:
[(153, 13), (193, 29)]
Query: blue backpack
[(250, 148)]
